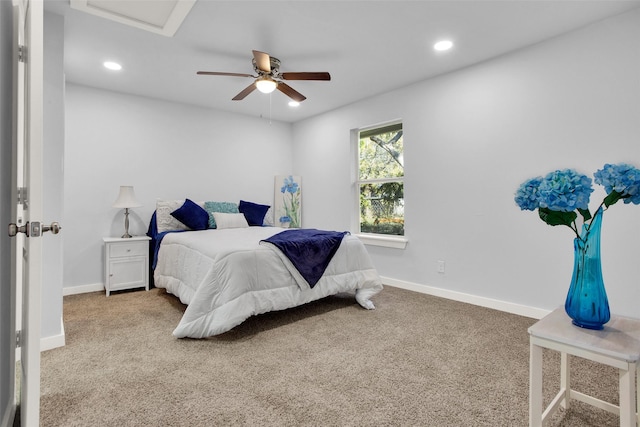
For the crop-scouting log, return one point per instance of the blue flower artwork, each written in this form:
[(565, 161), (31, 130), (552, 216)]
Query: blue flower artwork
[(288, 201)]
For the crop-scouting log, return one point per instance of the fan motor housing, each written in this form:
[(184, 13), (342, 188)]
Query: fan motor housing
[(275, 67)]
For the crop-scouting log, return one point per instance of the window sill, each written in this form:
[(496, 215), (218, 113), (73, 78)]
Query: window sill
[(396, 242)]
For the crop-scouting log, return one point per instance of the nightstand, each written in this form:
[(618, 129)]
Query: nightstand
[(617, 345), (126, 263)]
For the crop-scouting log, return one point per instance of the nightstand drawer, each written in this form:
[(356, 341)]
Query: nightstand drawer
[(119, 250)]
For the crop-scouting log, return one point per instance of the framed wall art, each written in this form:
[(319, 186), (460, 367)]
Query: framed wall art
[(287, 201)]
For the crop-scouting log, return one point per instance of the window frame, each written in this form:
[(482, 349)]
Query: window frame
[(373, 239)]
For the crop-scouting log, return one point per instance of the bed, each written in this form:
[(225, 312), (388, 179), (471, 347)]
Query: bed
[(229, 273)]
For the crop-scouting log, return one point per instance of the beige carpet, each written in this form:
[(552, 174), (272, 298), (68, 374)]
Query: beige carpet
[(416, 360)]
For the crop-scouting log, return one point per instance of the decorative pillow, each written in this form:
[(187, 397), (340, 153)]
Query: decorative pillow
[(192, 215), (164, 220), (268, 218), (224, 207), (254, 212), (229, 220)]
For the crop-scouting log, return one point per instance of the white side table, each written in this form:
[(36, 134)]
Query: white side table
[(617, 345), (126, 263)]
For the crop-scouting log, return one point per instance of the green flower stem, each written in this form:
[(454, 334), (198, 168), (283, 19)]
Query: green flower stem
[(291, 208), (574, 227)]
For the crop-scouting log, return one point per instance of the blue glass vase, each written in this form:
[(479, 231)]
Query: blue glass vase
[(587, 303)]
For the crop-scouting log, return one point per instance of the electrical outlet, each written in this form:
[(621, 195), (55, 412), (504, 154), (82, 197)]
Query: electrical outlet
[(440, 266)]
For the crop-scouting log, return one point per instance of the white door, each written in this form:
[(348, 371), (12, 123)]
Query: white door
[(26, 227)]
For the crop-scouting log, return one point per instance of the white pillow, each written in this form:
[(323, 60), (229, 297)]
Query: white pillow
[(164, 220), (268, 218), (229, 220)]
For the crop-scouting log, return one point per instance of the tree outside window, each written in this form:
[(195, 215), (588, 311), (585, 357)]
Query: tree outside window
[(381, 180)]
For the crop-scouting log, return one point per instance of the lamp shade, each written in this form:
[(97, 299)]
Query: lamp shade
[(266, 85), (126, 198)]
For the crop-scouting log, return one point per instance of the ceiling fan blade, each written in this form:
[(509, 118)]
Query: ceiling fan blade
[(216, 73), (290, 92), (263, 61), (246, 91), (306, 76)]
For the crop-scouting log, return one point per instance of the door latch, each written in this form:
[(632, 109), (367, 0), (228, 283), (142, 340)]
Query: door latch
[(33, 229)]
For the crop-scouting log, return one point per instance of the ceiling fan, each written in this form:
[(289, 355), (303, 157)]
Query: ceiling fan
[(270, 78)]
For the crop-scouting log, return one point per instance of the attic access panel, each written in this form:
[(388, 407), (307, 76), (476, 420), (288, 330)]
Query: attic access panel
[(158, 16)]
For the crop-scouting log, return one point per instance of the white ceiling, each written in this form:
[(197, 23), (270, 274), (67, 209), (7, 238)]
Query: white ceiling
[(369, 47)]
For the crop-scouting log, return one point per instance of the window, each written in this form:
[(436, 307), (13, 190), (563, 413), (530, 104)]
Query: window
[(380, 180)]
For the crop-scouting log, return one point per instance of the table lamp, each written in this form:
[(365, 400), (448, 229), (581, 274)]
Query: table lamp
[(126, 199)]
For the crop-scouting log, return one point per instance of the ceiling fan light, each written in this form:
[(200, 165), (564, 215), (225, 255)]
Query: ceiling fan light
[(266, 85)]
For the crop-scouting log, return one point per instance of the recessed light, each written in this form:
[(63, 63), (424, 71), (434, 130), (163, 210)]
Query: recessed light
[(294, 104), (112, 65), (443, 45)]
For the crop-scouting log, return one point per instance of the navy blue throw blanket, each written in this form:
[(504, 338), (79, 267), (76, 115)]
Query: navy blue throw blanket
[(156, 239), (308, 249)]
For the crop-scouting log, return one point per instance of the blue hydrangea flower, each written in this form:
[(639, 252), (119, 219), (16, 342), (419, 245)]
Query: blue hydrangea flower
[(289, 186), (527, 194), (565, 191), (621, 178), (560, 193)]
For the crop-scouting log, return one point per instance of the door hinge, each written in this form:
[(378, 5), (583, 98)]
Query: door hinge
[(22, 53), (18, 339), (22, 197)]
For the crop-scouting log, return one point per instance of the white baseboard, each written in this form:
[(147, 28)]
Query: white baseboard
[(9, 413), (49, 343), (83, 289), (509, 307), (55, 341)]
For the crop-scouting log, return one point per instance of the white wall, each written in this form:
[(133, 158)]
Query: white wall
[(53, 179), (471, 137), (165, 150)]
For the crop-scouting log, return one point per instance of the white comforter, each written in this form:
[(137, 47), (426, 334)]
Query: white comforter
[(226, 276)]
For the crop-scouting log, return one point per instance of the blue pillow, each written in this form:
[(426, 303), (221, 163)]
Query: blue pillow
[(192, 215), (224, 207), (253, 212)]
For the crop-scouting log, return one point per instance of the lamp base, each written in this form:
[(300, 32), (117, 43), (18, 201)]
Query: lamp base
[(126, 234)]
